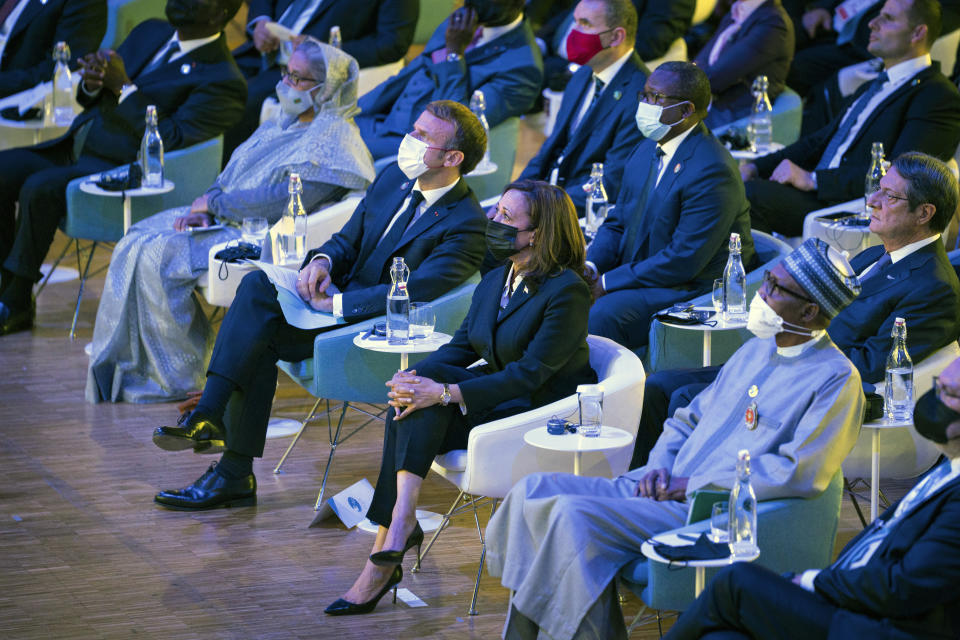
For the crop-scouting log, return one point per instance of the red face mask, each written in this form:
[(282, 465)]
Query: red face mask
[(581, 47)]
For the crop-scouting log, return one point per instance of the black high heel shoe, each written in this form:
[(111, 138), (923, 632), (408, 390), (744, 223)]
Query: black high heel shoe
[(345, 608), (387, 558)]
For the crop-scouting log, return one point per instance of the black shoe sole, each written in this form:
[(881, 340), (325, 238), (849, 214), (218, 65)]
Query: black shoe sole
[(179, 443), (248, 501)]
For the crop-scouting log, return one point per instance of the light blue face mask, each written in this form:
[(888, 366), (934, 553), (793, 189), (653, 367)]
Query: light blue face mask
[(648, 120), (294, 101)]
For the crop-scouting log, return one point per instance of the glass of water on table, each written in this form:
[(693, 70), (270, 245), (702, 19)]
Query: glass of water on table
[(254, 230), (422, 320)]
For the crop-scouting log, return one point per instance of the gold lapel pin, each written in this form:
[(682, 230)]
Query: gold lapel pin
[(676, 168), (753, 391)]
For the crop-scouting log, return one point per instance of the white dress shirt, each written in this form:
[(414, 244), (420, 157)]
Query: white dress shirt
[(430, 198), (898, 75), (899, 254), (489, 33)]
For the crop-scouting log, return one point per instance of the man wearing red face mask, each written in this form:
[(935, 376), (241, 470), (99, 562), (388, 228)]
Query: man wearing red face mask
[(596, 118)]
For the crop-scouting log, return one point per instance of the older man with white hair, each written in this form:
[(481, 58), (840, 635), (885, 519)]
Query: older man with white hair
[(789, 396)]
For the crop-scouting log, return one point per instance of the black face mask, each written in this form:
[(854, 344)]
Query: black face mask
[(932, 418), (502, 239), (187, 13), (489, 13)]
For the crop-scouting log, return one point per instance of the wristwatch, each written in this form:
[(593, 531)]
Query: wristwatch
[(453, 56), (445, 397)]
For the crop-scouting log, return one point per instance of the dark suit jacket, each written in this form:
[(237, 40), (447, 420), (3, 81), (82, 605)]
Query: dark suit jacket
[(442, 248), (660, 23), (686, 221), (922, 288), (27, 60), (922, 115), (198, 96), (536, 351), (374, 32), (608, 132), (908, 588), (508, 70), (763, 45)]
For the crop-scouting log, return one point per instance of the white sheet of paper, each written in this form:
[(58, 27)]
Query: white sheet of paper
[(350, 505), (295, 310)]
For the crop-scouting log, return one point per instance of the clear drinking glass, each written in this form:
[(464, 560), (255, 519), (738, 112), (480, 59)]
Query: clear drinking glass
[(254, 230), (718, 295), (422, 320), (720, 522), (590, 398)]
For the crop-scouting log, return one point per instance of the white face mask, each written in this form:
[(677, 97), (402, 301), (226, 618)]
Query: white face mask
[(648, 120), (410, 157), (764, 322), (294, 101)]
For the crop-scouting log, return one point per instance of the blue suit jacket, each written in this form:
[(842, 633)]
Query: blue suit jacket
[(198, 96), (608, 132), (26, 59), (763, 45), (922, 288), (686, 221), (536, 349), (508, 70), (374, 32), (908, 588), (442, 248)]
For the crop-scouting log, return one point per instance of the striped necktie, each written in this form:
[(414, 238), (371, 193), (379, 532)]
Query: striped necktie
[(849, 120)]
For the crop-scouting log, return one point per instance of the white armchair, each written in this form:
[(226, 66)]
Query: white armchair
[(321, 225), (497, 457)]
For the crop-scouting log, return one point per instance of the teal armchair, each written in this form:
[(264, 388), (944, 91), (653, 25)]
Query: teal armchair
[(794, 534)]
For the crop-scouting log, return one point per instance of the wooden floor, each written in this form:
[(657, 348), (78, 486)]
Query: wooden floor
[(84, 552)]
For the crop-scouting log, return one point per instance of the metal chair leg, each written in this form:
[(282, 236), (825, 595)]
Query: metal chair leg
[(296, 438), (483, 554), (83, 280), (53, 268), (334, 441), (853, 498)]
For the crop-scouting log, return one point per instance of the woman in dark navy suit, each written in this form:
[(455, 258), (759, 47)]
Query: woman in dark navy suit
[(528, 321)]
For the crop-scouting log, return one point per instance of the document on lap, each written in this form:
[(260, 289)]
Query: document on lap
[(296, 312)]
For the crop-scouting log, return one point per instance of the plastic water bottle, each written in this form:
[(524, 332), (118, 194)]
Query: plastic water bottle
[(760, 129), (898, 386), (743, 510), (62, 98), (478, 104), (151, 152), (596, 200), (335, 38), (398, 303), (734, 284), (878, 168), (293, 225)]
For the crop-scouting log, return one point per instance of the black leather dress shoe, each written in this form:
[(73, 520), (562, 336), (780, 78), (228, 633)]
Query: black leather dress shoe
[(210, 491), (13, 320), (198, 432)]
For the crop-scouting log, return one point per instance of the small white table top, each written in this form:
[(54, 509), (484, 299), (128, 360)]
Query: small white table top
[(746, 154), (609, 438), (721, 325), (884, 423), (674, 540), (413, 345), (90, 186)]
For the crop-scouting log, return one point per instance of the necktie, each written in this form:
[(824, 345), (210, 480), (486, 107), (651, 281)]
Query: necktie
[(6, 9), (878, 266), (598, 86), (388, 243), (635, 236), (858, 554), (171, 49), (289, 17), (849, 120)]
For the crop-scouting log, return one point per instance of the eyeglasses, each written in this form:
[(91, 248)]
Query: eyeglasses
[(295, 77), (890, 197), (655, 97), (773, 285)]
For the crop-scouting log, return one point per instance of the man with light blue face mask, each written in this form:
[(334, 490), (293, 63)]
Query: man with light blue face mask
[(681, 197)]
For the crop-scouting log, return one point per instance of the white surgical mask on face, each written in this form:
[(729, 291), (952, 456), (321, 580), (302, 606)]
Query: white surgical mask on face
[(410, 157), (648, 120), (764, 322), (294, 101)]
